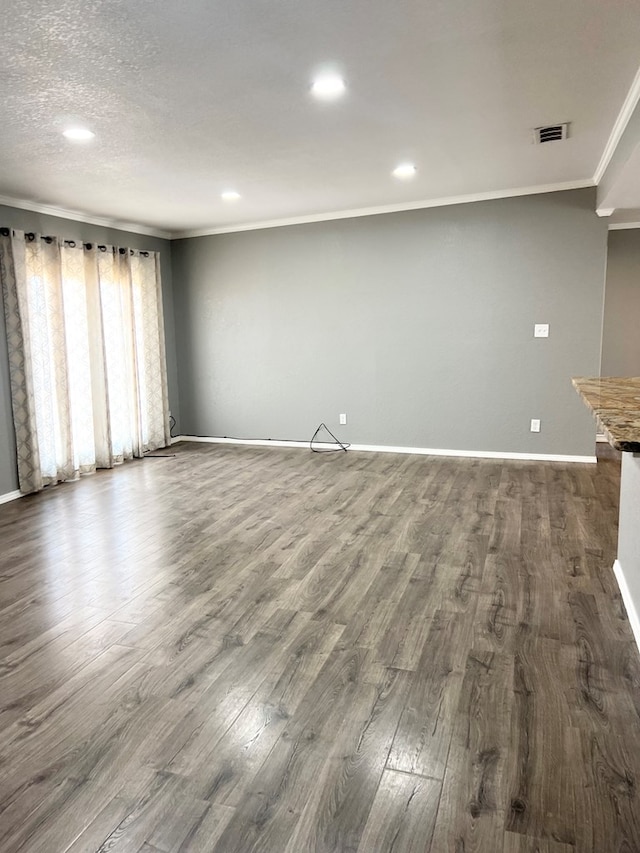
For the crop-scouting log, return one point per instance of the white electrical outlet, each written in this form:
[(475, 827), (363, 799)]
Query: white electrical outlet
[(343, 419), (541, 330), (535, 425)]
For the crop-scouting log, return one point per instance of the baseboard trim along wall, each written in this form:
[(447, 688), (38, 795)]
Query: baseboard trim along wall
[(10, 496), (383, 448), (632, 613)]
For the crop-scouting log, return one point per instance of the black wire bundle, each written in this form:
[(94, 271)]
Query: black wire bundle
[(341, 445)]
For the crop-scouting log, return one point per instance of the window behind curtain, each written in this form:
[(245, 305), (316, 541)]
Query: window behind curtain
[(89, 384)]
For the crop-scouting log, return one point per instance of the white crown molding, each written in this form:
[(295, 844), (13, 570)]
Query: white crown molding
[(424, 204), (386, 208), (75, 216), (619, 127), (623, 226), (383, 448), (10, 496), (627, 598)]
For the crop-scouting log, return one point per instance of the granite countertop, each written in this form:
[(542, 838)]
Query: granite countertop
[(615, 401)]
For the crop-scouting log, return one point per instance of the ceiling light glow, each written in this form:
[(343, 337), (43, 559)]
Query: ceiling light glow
[(230, 195), (78, 134), (404, 171), (328, 87)]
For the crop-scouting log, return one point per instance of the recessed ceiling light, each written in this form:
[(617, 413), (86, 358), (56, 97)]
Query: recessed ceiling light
[(404, 171), (328, 87), (230, 195), (78, 134)]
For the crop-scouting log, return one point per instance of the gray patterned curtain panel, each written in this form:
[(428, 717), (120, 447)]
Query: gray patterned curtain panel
[(85, 334)]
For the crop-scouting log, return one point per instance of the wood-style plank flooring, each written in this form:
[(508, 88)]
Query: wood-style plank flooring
[(249, 650)]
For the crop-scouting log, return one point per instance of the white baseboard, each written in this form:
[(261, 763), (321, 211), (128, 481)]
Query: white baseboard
[(383, 448), (260, 442), (476, 454), (601, 438), (10, 496), (630, 607)]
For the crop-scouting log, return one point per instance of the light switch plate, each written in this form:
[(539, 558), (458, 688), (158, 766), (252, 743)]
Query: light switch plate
[(541, 330), (535, 425)]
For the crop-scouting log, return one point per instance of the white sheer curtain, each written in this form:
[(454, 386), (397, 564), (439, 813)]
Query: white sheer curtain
[(86, 351)]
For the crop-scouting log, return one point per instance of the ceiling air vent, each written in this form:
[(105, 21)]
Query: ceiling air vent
[(551, 133)]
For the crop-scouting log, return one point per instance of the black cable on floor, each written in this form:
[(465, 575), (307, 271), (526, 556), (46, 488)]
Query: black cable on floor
[(341, 445)]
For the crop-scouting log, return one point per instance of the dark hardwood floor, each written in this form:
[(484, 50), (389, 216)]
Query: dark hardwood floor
[(248, 650)]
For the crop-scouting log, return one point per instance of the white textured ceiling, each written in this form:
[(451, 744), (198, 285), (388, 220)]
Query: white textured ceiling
[(190, 98)]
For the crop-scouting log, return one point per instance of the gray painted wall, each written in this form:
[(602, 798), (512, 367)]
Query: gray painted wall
[(614, 173), (418, 325), (621, 327), (25, 220)]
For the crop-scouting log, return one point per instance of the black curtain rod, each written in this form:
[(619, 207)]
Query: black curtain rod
[(29, 235)]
